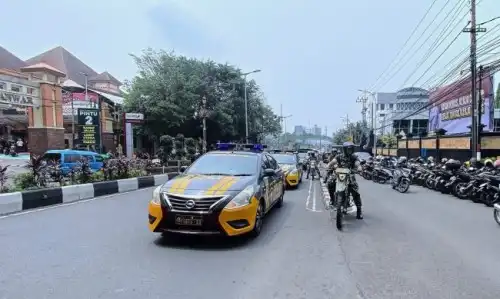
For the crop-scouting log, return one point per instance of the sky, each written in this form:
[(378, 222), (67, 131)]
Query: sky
[(314, 55)]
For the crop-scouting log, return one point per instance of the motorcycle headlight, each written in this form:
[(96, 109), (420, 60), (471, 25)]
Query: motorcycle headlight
[(242, 199), (156, 196)]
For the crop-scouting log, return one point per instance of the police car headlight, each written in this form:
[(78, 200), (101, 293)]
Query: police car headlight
[(156, 196), (242, 199)]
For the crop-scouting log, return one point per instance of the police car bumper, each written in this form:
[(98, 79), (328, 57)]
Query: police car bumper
[(225, 222)]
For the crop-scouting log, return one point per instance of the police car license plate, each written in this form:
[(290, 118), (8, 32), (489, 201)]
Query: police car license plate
[(188, 220)]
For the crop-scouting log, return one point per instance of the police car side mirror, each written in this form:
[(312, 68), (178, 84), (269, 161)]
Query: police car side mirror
[(183, 168), (269, 172)]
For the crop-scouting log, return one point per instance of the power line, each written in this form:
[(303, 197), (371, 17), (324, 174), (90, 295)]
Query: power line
[(423, 43), (405, 43)]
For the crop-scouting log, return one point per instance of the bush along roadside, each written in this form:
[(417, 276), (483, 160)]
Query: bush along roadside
[(48, 174), (20, 201)]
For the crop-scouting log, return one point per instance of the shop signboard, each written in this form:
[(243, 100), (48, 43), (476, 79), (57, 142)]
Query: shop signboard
[(77, 100), (88, 126)]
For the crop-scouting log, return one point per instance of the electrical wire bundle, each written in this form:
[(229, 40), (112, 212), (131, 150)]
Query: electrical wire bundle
[(456, 70)]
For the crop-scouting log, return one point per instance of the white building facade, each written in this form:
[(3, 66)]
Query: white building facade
[(398, 112)]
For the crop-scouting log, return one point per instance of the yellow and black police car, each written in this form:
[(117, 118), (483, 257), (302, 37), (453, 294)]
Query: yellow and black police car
[(227, 191), (289, 163)]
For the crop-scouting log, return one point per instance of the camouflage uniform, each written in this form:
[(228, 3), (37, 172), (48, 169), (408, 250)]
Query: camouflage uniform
[(350, 162)]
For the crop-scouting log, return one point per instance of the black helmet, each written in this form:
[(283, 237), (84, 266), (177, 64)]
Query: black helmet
[(348, 148)]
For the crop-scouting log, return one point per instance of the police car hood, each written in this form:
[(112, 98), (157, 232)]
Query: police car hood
[(193, 184)]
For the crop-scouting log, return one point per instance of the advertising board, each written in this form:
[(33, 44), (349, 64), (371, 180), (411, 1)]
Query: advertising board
[(451, 109)]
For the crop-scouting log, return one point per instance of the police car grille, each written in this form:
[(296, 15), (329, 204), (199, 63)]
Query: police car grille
[(202, 204)]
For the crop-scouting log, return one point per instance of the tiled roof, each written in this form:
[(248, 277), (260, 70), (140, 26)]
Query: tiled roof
[(105, 77), (10, 61), (63, 60), (43, 65)]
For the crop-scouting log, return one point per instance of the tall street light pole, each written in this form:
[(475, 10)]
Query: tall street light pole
[(246, 100)]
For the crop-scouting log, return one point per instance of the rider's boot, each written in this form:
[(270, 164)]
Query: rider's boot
[(359, 214)]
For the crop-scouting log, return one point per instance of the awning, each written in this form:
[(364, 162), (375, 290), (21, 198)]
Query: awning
[(113, 98)]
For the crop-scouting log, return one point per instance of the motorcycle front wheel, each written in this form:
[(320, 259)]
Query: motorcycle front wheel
[(403, 186), (429, 183), (496, 216), (459, 192), (340, 214)]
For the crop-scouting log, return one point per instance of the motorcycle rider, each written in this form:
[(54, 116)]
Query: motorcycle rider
[(312, 157), (347, 159)]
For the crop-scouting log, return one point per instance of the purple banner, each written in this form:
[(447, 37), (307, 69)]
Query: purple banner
[(451, 109)]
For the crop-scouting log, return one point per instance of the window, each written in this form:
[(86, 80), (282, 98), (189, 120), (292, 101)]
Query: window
[(285, 159), (30, 90), (16, 88), (99, 158), (222, 163), (419, 126), (2, 85), (88, 158), (272, 162), (71, 158), (382, 106), (496, 127), (391, 106), (52, 157)]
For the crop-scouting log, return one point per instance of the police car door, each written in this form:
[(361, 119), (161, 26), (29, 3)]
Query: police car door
[(276, 183), (267, 182)]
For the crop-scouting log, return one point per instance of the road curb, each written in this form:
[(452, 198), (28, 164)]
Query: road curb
[(20, 201), (326, 194)]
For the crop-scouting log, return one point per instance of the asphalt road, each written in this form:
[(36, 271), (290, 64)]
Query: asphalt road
[(416, 245)]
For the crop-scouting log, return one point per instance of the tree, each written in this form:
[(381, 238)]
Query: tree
[(389, 140), (353, 132), (190, 145), (169, 90), (179, 146), (166, 147)]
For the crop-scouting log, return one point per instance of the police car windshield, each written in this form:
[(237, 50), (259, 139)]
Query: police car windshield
[(284, 159), (303, 155), (225, 164)]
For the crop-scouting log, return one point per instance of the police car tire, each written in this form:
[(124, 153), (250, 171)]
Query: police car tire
[(258, 228)]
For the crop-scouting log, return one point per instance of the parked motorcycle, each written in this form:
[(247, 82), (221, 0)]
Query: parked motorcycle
[(401, 180), (496, 213)]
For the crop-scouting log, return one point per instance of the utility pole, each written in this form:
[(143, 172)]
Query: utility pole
[(246, 100), (480, 108), (364, 109), (476, 147), (347, 124), (373, 106), (283, 122)]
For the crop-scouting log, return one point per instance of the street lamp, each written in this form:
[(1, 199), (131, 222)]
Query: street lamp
[(246, 101)]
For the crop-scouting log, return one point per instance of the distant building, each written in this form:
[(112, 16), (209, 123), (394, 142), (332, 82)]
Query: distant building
[(317, 130), (394, 111), (299, 130)]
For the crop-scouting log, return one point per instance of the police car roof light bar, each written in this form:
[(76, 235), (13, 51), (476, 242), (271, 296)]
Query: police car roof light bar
[(255, 147), (226, 146)]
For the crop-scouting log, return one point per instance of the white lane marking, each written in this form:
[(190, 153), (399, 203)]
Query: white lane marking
[(69, 203), (313, 208), (314, 197), (308, 195)]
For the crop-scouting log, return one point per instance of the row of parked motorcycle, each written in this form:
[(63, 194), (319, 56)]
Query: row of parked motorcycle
[(388, 170), (479, 183)]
